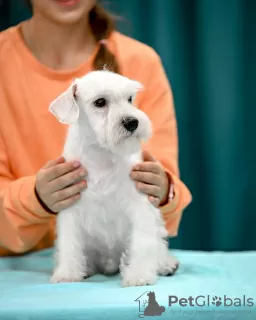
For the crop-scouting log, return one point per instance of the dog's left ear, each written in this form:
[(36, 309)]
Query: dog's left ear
[(64, 107)]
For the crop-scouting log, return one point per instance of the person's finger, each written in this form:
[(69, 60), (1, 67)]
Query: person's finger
[(147, 156), (63, 204), (148, 167), (61, 169), (69, 192), (148, 189), (147, 177), (154, 200), (67, 179), (54, 162)]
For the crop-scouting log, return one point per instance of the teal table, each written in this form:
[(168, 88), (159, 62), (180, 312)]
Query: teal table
[(207, 286)]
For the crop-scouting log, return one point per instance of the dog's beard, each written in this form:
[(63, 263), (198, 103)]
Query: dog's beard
[(124, 142), (120, 141), (129, 144)]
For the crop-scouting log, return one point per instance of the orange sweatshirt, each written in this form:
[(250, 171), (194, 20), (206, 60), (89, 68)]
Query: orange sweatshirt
[(30, 136)]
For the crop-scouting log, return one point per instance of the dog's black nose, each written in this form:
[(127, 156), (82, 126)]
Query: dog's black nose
[(130, 123)]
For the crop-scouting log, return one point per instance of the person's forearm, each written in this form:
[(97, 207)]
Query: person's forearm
[(23, 221)]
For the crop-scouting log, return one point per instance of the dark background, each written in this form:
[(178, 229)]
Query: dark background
[(208, 48)]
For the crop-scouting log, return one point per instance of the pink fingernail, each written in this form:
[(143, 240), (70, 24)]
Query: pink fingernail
[(76, 164)]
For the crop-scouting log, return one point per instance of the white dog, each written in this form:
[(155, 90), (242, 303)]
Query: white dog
[(112, 227)]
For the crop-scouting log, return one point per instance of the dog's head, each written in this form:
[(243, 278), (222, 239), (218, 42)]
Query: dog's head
[(102, 102)]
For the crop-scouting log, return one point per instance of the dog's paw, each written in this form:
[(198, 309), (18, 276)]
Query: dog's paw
[(170, 266), (138, 281), (63, 276), (59, 279), (134, 279)]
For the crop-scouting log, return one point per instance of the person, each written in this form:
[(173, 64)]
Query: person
[(39, 58)]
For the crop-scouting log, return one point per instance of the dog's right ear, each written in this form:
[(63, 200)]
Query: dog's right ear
[(64, 107)]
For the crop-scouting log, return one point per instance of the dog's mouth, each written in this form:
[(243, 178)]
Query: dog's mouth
[(129, 134), (125, 136), (135, 135), (127, 139)]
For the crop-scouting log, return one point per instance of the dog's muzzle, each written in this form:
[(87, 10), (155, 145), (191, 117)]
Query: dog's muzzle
[(130, 124)]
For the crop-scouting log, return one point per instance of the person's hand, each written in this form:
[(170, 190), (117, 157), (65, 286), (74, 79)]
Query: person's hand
[(59, 183), (151, 179)]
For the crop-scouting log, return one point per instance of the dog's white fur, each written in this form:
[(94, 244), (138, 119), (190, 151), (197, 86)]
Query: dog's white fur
[(112, 227)]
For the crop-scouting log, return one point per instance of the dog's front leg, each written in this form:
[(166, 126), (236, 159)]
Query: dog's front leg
[(139, 266), (70, 259)]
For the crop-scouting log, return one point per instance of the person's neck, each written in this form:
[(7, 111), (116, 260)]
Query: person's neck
[(58, 46)]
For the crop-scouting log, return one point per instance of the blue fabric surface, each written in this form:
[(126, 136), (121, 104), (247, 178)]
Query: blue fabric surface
[(26, 294)]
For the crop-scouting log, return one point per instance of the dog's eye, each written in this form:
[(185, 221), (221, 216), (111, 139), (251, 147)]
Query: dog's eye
[(100, 103), (130, 99)]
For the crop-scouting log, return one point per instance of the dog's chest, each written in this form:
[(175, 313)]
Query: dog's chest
[(109, 196), (107, 218), (110, 182)]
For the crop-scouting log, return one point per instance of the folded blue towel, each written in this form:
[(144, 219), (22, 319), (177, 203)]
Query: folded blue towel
[(207, 286)]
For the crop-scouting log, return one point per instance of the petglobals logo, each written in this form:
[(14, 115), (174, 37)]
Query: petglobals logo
[(149, 305), (207, 301)]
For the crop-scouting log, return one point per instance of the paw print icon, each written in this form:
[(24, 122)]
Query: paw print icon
[(216, 301)]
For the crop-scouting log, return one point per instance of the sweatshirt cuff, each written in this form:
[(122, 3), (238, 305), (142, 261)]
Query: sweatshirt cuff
[(29, 199), (173, 197)]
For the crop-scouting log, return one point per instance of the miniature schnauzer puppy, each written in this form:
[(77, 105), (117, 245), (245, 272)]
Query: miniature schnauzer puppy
[(112, 227)]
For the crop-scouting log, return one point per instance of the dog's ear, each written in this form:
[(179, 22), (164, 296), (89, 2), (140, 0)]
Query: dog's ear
[(64, 107)]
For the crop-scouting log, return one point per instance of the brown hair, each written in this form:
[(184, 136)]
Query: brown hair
[(102, 25)]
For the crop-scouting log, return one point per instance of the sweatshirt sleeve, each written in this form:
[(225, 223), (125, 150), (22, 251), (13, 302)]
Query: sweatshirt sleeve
[(157, 103), (23, 222)]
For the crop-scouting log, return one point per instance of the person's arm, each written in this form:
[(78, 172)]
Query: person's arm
[(157, 102), (23, 221)]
